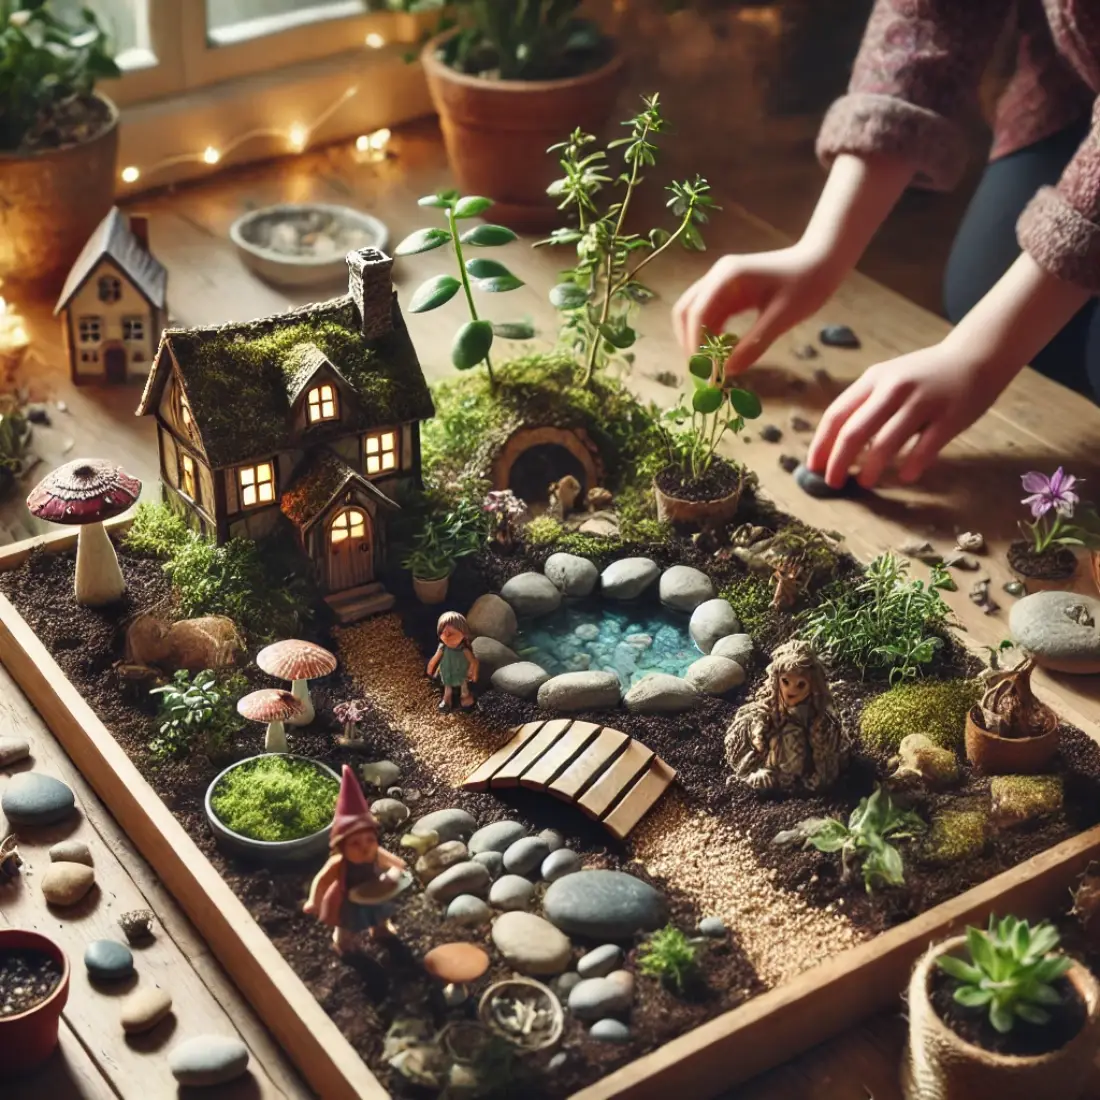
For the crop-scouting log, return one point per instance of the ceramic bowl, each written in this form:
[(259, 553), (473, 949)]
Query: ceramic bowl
[(304, 244)]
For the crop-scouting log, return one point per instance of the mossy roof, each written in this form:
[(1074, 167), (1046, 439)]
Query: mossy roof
[(318, 482), (241, 380)]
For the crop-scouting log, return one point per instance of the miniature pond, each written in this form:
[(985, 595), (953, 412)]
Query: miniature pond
[(629, 641)]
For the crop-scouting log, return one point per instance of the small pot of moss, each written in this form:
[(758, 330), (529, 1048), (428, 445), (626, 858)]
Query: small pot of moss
[(276, 808)]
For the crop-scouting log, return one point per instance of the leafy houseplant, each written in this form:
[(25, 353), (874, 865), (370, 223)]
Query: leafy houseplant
[(601, 291), (441, 541), (474, 339), (58, 137), (196, 714)]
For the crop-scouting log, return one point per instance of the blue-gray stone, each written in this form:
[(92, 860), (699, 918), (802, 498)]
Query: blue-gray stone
[(511, 892), (521, 679), (712, 926), (610, 1031), (108, 960), (604, 905), (815, 485), (838, 336), (468, 911), (734, 647), (493, 862), (600, 961), (525, 855), (206, 1060), (628, 578), (31, 798), (573, 575), (594, 998), (571, 691), (462, 878), (1060, 630), (496, 837), (554, 839), (560, 863), (531, 594), (712, 620)]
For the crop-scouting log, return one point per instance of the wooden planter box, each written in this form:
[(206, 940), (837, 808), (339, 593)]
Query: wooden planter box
[(731, 1048)]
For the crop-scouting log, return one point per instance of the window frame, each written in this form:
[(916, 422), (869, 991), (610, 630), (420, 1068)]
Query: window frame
[(254, 468), (89, 320), (349, 534), (382, 471), (113, 283), (195, 494), (333, 399)]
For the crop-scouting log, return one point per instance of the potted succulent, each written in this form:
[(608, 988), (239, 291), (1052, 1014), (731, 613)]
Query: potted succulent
[(1009, 732), (58, 136), (34, 986), (696, 486), (507, 83), (441, 541), (1044, 558), (1000, 1014)]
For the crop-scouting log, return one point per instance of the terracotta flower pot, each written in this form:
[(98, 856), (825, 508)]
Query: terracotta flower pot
[(697, 513), (29, 1039), (497, 131), (1094, 567), (940, 1065), (51, 200), (431, 591), (992, 754)]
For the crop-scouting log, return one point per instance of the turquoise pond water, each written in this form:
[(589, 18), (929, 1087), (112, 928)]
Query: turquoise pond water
[(629, 641)]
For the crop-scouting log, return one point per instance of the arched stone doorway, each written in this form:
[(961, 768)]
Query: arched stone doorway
[(534, 457)]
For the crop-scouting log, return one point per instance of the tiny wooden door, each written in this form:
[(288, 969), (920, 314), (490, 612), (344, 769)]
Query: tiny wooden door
[(114, 363), (350, 556)]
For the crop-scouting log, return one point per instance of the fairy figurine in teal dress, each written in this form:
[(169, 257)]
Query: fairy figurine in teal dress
[(454, 661)]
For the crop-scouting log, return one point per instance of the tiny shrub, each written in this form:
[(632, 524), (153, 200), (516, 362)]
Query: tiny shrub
[(670, 956), (156, 530), (197, 715), (936, 708)]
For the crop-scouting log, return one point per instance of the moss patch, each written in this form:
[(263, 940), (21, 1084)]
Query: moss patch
[(1018, 799), (750, 596), (936, 708), (955, 836), (275, 798)]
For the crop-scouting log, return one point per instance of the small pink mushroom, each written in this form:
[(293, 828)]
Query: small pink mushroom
[(298, 662), (273, 706)]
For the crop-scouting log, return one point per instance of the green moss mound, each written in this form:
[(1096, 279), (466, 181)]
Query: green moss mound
[(936, 708), (1021, 798), (750, 596), (955, 836), (276, 798)]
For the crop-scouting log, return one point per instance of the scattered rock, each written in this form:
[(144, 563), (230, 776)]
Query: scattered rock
[(921, 550), (684, 588), (511, 892), (563, 983), (604, 905), (628, 578), (660, 693), (667, 378), (37, 413), (67, 883), (838, 336), (211, 641), (108, 960), (610, 1031), (971, 541), (497, 837), (814, 485), (805, 351), (1058, 629), (531, 594), (31, 798), (531, 944), (469, 911), (494, 618), (435, 861), (554, 839), (559, 863), (208, 1060), (571, 691), (449, 824), (1018, 799), (712, 620), (143, 1009), (493, 862), (979, 594), (390, 813), (523, 679), (771, 433), (605, 525), (960, 559), (714, 927), (600, 961), (734, 647), (573, 575), (382, 773), (800, 424), (714, 675), (13, 749), (396, 792), (137, 925), (470, 877), (491, 655), (1015, 588), (922, 759), (595, 998), (525, 855), (71, 851), (789, 463)]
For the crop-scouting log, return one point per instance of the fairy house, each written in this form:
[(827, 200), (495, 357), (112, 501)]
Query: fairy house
[(310, 417), (113, 303)]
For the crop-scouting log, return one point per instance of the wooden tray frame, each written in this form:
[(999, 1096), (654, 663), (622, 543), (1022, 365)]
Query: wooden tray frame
[(766, 1031)]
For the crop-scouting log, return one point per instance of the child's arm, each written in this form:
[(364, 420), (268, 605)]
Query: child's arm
[(433, 664), (321, 882), (472, 664), (931, 395), (388, 861)]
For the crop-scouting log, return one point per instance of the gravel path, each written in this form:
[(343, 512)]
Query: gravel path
[(779, 932)]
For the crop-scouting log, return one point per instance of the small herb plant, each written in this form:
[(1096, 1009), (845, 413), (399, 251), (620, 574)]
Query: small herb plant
[(889, 623), (1011, 972), (696, 432), (671, 956), (1053, 502), (865, 842), (473, 341), (599, 294), (15, 433), (50, 61), (506, 513), (196, 715), (444, 538)]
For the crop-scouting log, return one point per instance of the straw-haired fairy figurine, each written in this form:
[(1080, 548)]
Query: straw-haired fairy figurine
[(788, 736), (454, 661)]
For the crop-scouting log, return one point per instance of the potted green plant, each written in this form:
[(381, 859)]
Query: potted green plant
[(696, 486), (34, 986), (507, 83), (442, 540), (1044, 559), (58, 136), (1001, 1014)]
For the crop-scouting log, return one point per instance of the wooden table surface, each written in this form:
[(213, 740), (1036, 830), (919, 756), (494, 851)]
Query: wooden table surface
[(1034, 425)]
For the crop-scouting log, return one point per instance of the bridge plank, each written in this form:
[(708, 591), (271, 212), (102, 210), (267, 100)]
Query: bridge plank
[(479, 779), (618, 778), (640, 798), (546, 768), (508, 775), (588, 765)]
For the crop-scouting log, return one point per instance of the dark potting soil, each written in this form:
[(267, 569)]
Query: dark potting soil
[(27, 978), (1053, 564), (71, 121), (720, 480), (1024, 1040)]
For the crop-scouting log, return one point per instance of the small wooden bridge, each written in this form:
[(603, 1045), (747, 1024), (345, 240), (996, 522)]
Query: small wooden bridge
[(610, 776)]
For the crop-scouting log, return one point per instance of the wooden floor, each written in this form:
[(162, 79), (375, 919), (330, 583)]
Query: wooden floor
[(1035, 424)]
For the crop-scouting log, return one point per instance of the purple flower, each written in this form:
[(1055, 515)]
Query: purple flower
[(1046, 493)]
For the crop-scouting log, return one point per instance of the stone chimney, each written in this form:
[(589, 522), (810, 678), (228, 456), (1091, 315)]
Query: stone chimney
[(371, 290), (139, 226)]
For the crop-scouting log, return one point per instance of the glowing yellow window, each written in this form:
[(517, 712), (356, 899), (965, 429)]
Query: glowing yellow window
[(185, 415), (322, 403), (257, 484), (187, 476), (349, 524), (381, 452)]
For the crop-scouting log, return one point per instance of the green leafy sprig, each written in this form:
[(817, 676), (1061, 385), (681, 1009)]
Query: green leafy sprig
[(195, 714), (445, 537), (669, 955)]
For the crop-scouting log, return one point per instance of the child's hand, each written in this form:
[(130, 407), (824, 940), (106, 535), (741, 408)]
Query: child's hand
[(783, 287), (928, 396)]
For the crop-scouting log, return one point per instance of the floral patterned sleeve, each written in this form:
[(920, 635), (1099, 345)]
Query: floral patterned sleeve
[(917, 72)]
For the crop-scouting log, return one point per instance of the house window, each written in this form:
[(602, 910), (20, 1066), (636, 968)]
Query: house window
[(90, 329), (110, 288), (380, 451), (186, 418), (188, 482), (133, 329), (89, 356), (321, 401), (348, 524), (257, 484)]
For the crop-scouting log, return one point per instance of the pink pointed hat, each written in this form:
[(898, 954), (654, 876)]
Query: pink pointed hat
[(352, 812)]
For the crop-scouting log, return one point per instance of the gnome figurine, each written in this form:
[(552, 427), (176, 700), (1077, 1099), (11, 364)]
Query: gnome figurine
[(354, 891)]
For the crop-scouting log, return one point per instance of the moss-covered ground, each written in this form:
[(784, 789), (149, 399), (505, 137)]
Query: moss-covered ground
[(275, 798)]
